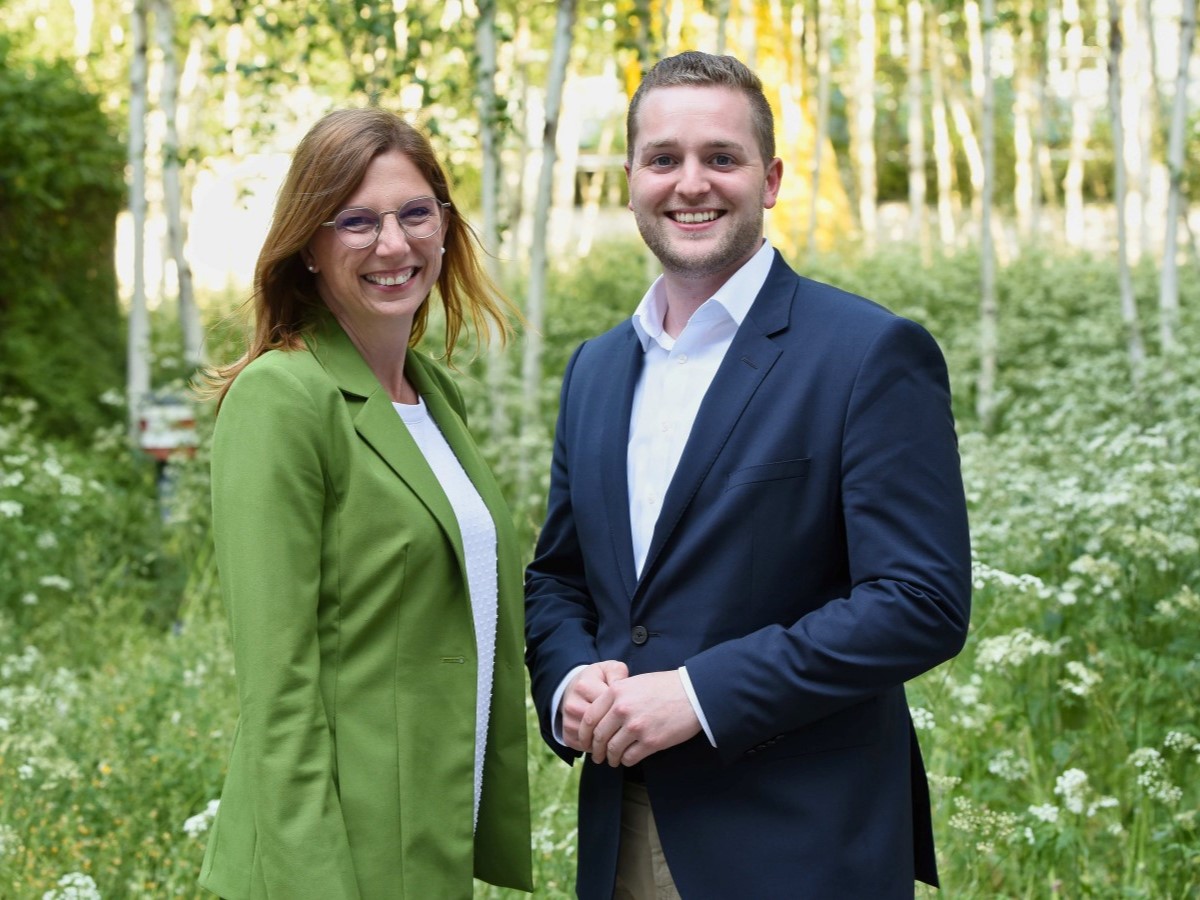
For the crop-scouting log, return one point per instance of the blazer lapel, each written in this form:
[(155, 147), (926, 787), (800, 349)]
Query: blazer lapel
[(378, 423), (614, 453), (749, 358)]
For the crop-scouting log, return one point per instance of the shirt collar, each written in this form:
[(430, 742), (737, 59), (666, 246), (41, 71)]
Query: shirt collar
[(735, 296)]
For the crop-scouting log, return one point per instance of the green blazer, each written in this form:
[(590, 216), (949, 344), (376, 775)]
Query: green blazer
[(342, 568)]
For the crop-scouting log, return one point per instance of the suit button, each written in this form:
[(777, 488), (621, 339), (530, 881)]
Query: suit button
[(640, 635)]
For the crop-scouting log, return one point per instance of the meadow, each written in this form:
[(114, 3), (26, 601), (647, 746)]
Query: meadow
[(1063, 744)]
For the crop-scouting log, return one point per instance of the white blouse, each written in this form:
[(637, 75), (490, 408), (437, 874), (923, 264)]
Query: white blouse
[(479, 547)]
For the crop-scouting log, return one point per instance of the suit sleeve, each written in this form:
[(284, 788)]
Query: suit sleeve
[(269, 492), (909, 562), (560, 619)]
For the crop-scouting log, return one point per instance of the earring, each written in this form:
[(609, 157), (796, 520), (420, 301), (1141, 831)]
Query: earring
[(313, 269), (443, 250)]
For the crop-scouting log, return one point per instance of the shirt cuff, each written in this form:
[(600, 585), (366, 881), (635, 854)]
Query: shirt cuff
[(691, 695), (556, 726)]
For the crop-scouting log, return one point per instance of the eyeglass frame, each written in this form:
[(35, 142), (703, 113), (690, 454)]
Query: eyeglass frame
[(443, 205)]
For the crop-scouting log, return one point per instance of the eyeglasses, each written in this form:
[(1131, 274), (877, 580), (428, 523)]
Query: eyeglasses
[(359, 227)]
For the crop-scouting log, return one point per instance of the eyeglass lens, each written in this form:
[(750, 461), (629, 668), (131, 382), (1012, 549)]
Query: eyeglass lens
[(359, 227)]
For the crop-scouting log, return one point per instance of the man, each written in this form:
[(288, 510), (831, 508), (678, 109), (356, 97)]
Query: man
[(756, 534)]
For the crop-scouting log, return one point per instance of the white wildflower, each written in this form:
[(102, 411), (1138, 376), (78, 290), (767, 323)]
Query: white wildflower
[(55, 581), (74, 886), (1007, 765), (29, 598), (9, 840), (1013, 649), (1082, 681), (70, 485), (1152, 775), (922, 718), (1072, 786), (1046, 812), (25, 771), (198, 824), (11, 509), (12, 479), (1179, 741), (47, 540)]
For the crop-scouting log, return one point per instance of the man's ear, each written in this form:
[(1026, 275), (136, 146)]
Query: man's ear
[(774, 177)]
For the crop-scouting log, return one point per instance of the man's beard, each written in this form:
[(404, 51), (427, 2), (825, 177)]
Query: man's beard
[(733, 248)]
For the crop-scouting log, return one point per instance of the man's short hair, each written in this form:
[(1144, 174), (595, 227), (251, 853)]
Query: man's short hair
[(696, 69)]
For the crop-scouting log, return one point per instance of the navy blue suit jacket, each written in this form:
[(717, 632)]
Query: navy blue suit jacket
[(811, 556)]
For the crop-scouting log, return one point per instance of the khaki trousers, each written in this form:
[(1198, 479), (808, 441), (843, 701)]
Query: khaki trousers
[(642, 872)]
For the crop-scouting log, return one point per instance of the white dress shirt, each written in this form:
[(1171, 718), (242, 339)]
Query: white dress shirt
[(675, 376)]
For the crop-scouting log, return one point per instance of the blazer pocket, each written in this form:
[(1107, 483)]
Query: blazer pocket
[(775, 471), (855, 726)]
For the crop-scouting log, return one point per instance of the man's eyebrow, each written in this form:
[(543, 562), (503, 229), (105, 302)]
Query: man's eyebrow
[(717, 144)]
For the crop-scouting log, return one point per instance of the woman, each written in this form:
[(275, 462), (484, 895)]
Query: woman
[(366, 556)]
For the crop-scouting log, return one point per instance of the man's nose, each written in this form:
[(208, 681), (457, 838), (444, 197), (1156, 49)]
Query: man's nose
[(693, 178)]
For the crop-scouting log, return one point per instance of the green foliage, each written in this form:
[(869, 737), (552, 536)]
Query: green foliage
[(61, 185)]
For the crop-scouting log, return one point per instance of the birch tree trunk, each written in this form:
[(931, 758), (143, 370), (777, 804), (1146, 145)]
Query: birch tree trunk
[(189, 315), (84, 14), (138, 349), (1080, 128), (962, 119), (988, 314), (231, 102), (862, 134), (1044, 191), (595, 185), (916, 120), (1129, 313), (971, 149), (531, 371), (943, 151), (824, 15), (1024, 107), (1131, 81), (489, 190), (1168, 295), (722, 25)]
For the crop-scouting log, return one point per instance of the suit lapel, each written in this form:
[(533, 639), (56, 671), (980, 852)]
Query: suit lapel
[(614, 453), (380, 426), (750, 357)]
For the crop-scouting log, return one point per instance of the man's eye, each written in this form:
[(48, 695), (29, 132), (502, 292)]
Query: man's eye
[(661, 161), (723, 160)]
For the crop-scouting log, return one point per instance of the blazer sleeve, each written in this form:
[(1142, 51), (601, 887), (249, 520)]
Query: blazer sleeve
[(269, 493), (908, 552), (560, 618)]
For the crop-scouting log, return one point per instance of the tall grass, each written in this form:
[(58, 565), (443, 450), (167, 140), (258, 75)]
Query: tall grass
[(1063, 743)]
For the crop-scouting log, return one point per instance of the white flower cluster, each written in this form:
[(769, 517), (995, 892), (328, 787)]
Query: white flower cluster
[(922, 718), (198, 824), (74, 886), (9, 840), (1185, 604), (1152, 775), (1081, 680), (1013, 649), (1072, 785), (1008, 765)]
